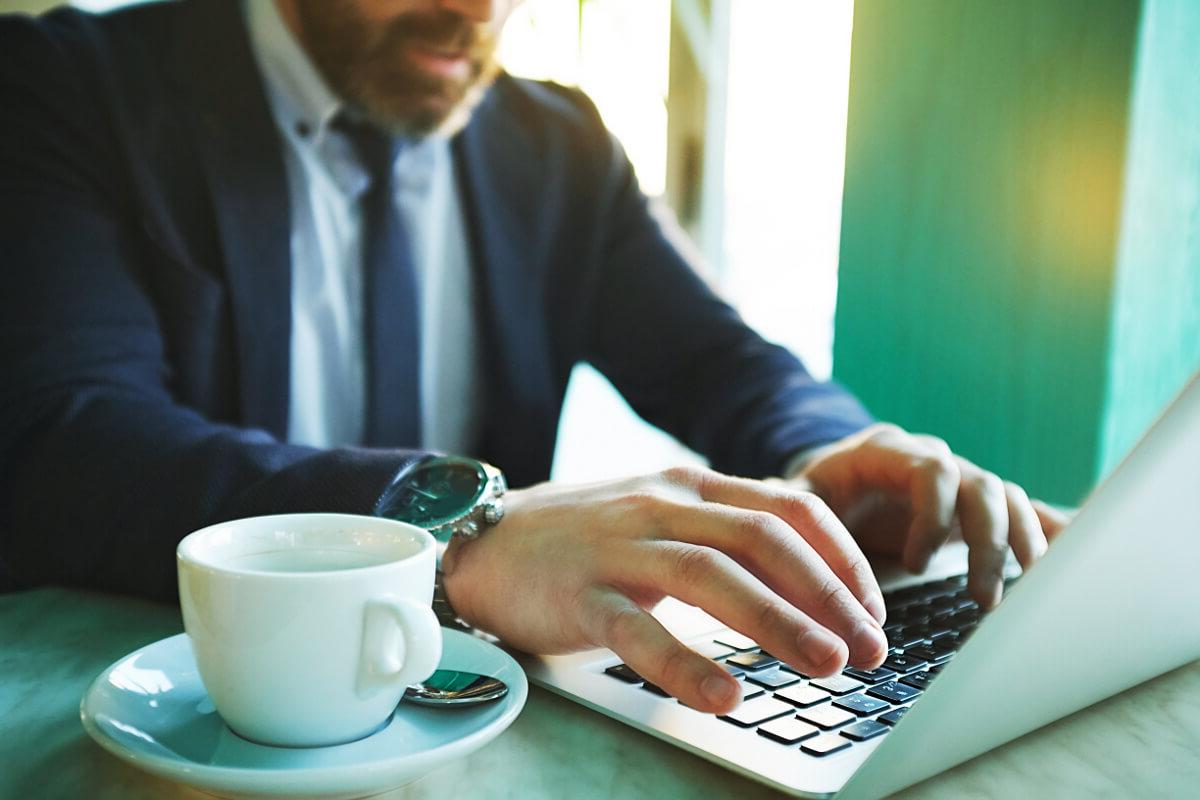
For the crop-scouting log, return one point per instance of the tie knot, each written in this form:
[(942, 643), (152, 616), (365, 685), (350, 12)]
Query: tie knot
[(376, 149)]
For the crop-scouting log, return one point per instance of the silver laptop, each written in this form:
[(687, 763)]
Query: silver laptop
[(1129, 561)]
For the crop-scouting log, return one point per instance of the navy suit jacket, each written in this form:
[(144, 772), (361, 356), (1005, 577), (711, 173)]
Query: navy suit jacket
[(144, 321)]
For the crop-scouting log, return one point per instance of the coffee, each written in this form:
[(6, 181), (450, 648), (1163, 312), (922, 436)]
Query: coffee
[(306, 560)]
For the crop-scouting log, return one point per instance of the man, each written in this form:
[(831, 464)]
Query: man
[(205, 319)]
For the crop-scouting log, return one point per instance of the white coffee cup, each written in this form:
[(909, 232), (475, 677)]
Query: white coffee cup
[(308, 627)]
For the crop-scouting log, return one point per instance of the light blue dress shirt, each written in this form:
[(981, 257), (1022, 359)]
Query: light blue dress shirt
[(327, 400)]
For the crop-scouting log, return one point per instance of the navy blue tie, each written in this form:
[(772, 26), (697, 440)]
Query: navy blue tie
[(392, 327)]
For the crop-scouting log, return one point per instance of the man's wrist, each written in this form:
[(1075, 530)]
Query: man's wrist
[(445, 609), (801, 459)]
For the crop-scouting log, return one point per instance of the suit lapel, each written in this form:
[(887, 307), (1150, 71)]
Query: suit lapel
[(502, 192), (241, 153)]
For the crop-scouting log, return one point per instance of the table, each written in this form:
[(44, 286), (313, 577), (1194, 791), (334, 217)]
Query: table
[(53, 642)]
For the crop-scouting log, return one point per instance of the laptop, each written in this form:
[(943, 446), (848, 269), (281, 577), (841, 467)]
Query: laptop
[(1128, 562)]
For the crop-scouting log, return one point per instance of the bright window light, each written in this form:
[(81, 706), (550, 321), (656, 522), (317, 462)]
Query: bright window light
[(788, 84)]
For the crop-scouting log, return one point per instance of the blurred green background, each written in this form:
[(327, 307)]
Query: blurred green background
[(1020, 248)]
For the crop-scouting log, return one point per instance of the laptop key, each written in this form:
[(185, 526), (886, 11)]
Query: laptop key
[(788, 730), (942, 618), (794, 671), (712, 650), (968, 616), (735, 640), (655, 689), (824, 745), (803, 696), (773, 678), (757, 711), (752, 661), (929, 654), (837, 684), (749, 690), (944, 645), (733, 669), (894, 692), (877, 675), (826, 717), (915, 615), (905, 637), (893, 716), (624, 673), (918, 680), (864, 729), (922, 631), (860, 704), (903, 664)]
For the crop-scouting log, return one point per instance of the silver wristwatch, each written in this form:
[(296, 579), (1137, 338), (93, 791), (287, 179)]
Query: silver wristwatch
[(447, 496)]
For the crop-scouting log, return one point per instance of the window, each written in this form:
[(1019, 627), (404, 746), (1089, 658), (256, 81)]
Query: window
[(787, 87)]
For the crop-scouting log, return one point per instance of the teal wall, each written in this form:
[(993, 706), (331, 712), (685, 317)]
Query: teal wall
[(1156, 309), (989, 290)]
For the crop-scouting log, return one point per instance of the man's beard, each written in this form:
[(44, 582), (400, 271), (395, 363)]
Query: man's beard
[(368, 66)]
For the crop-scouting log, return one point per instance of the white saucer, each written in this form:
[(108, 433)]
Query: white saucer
[(151, 710)]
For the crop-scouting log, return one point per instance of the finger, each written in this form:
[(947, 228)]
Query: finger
[(1053, 520), (1024, 528), (710, 579), (616, 622), (808, 515), (770, 551), (905, 464), (983, 517)]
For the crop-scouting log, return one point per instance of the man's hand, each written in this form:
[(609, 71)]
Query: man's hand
[(905, 495), (572, 567)]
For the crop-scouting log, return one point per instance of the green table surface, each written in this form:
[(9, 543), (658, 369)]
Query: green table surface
[(53, 642)]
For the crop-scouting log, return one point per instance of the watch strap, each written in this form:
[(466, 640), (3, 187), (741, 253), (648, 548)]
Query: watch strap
[(447, 617)]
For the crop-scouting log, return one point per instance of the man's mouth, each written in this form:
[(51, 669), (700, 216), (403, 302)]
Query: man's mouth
[(440, 61)]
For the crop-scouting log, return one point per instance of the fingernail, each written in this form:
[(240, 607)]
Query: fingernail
[(820, 650), (868, 640), (988, 594), (716, 690)]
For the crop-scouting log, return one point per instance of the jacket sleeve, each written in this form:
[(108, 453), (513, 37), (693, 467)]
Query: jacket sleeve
[(102, 471), (682, 357)]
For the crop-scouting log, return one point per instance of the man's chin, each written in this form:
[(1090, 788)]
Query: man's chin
[(422, 115)]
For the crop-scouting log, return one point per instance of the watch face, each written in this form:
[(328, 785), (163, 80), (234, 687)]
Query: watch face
[(437, 492)]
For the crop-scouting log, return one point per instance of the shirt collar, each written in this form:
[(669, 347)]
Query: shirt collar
[(296, 86), (302, 101)]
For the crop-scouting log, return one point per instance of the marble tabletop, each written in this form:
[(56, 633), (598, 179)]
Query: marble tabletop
[(1144, 742)]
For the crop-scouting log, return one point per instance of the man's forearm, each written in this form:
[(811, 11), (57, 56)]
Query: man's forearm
[(103, 486)]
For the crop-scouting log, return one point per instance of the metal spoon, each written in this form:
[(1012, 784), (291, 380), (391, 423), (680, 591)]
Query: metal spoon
[(448, 688)]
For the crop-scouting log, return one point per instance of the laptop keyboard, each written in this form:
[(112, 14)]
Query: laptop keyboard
[(926, 624)]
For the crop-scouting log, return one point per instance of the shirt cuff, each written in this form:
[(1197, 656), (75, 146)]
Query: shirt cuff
[(801, 459)]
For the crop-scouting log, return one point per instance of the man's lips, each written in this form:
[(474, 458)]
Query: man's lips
[(444, 63)]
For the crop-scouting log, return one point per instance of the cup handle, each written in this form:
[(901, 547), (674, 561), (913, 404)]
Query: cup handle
[(421, 638)]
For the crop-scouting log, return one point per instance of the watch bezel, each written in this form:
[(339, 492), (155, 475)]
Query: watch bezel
[(483, 480)]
